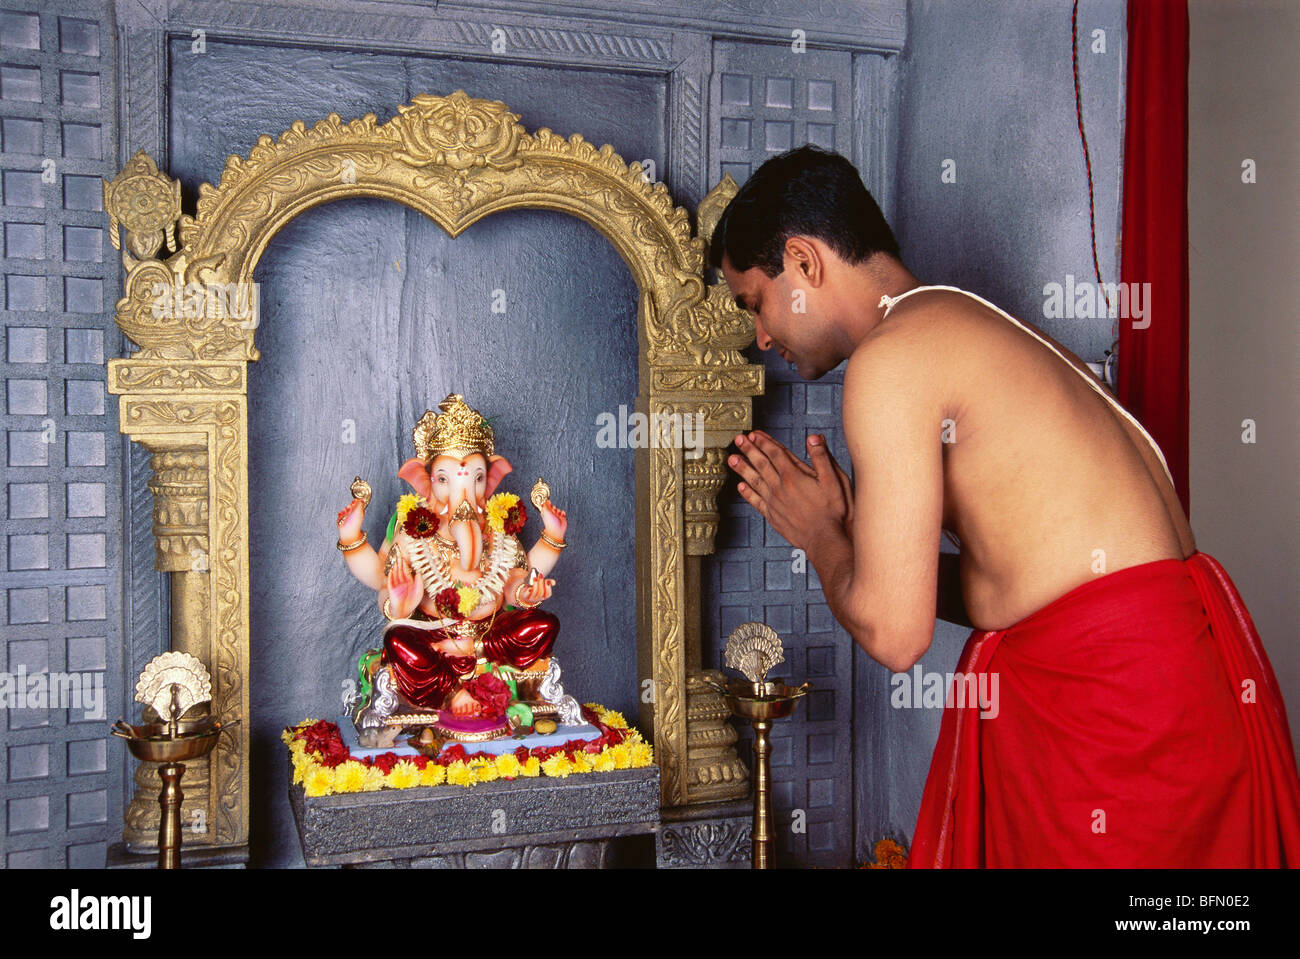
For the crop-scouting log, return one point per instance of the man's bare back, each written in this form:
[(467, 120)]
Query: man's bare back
[(1044, 484)]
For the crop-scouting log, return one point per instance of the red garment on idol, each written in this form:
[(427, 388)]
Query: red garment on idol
[(1123, 735), (425, 674)]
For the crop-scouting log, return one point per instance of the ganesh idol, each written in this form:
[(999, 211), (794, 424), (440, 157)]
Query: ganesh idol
[(466, 651)]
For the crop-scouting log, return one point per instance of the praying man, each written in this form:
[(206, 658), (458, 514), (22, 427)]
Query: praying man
[(1139, 723)]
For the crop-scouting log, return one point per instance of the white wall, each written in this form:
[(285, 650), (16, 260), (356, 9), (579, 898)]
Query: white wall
[(1245, 338)]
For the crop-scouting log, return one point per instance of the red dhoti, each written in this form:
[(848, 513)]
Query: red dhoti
[(425, 674), (1138, 723)]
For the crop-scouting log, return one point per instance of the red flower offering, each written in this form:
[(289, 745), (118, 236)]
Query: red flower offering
[(491, 693), (447, 602), (515, 519), (421, 523)]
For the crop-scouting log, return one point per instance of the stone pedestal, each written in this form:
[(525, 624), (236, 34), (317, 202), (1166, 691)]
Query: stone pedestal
[(527, 823), (705, 836)]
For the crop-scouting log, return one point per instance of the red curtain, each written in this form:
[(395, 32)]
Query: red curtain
[(1153, 358)]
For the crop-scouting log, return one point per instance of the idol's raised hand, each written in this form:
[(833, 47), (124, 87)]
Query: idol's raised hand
[(404, 587), (801, 501)]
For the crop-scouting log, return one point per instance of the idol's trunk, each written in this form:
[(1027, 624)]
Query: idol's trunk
[(468, 536)]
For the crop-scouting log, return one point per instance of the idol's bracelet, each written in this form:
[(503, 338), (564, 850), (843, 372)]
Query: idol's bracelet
[(520, 603), (552, 543), (387, 615), (356, 544)]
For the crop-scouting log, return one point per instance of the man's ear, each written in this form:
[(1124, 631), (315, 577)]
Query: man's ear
[(805, 257)]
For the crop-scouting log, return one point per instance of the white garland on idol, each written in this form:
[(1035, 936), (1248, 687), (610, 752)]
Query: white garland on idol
[(500, 560)]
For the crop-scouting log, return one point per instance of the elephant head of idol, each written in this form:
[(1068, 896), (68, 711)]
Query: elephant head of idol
[(455, 470)]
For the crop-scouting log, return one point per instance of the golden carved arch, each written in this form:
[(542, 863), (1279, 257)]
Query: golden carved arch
[(455, 159)]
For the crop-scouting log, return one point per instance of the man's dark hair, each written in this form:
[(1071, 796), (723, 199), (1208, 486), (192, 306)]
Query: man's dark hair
[(806, 191)]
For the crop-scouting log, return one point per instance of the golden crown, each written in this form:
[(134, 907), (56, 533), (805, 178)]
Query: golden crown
[(458, 428)]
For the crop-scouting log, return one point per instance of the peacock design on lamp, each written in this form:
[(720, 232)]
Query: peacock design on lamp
[(753, 649), (172, 683)]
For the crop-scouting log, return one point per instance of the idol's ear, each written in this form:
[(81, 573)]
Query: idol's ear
[(498, 468), (417, 475)]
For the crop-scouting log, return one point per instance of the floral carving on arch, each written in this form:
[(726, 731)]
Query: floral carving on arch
[(455, 159)]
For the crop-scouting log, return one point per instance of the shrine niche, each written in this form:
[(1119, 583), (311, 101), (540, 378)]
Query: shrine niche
[(456, 159)]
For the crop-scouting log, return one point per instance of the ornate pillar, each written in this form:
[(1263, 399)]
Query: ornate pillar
[(180, 528), (192, 416), (713, 768)]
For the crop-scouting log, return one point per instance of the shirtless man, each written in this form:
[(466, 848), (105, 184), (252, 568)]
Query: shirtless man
[(955, 419)]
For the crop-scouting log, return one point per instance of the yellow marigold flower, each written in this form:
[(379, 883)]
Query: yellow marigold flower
[(404, 505), (558, 766), (433, 775), (582, 762), (469, 598), (458, 774), (611, 718), (404, 775), (487, 772), (319, 782), (497, 508), (641, 755), (507, 766), (349, 777), (299, 771), (375, 780), (603, 762), (622, 754), (532, 767)]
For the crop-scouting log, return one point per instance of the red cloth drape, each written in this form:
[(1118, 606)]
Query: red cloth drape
[(1153, 360), (1135, 722)]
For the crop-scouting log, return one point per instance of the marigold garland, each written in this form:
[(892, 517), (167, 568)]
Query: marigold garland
[(324, 766)]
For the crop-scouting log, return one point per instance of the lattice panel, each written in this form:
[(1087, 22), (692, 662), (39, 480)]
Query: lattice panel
[(60, 496), (767, 99)]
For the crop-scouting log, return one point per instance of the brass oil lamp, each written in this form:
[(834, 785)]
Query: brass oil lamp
[(753, 649), (175, 685)]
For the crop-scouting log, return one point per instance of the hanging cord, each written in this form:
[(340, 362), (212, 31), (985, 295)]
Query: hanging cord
[(1087, 159)]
